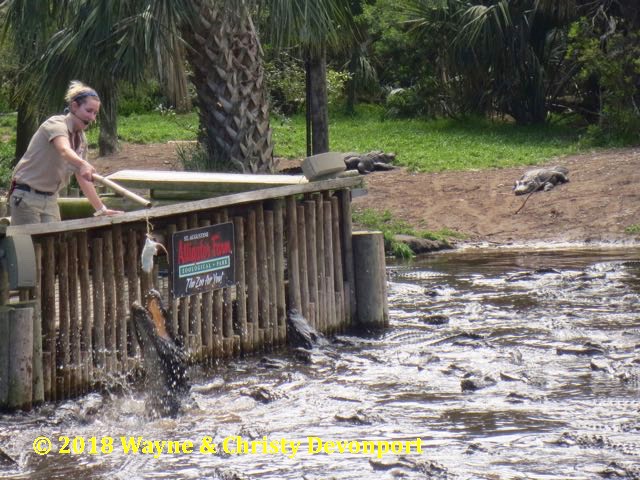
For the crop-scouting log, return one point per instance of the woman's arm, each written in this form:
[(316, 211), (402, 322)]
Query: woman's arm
[(84, 168), (89, 190)]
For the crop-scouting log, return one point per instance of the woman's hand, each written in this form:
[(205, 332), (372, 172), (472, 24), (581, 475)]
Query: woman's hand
[(106, 211), (86, 171)]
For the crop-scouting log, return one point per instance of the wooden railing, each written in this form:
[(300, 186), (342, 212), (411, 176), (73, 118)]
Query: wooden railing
[(293, 250)]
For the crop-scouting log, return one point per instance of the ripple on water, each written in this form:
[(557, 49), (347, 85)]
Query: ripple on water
[(548, 340)]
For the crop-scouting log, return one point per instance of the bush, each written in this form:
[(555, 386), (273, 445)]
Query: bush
[(285, 78), (609, 76), (143, 98), (421, 100)]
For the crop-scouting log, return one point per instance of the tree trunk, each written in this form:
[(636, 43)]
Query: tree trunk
[(108, 137), (26, 126), (228, 74), (319, 102), (350, 106), (173, 78)]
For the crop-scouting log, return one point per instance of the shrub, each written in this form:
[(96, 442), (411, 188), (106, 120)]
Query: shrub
[(143, 98), (285, 78)]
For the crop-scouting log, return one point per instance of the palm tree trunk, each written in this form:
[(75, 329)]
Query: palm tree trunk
[(108, 137), (228, 74), (319, 102), (27, 124)]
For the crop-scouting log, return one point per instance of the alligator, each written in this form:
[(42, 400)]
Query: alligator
[(300, 333), (6, 460), (540, 179), (369, 162), (165, 363)]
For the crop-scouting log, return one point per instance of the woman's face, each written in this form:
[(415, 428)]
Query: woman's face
[(86, 112)]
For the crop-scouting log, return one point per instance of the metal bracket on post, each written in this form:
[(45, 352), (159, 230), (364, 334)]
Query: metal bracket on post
[(18, 258)]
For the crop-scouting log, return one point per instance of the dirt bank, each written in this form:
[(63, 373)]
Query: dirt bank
[(600, 201)]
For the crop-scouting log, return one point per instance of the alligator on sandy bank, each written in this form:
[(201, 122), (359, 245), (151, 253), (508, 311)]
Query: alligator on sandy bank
[(540, 179), (369, 162), (165, 363)]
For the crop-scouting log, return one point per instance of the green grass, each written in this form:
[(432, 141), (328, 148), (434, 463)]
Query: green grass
[(7, 146), (633, 229), (390, 226), (433, 145), (153, 127), (422, 145)]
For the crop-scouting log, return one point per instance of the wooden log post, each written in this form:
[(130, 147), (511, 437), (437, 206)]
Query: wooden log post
[(293, 257), (206, 318), (263, 279), (110, 335), (241, 287), (36, 296), (347, 254), (172, 302), (49, 318), (371, 282), (328, 268), (97, 333), (75, 329), (321, 310), (121, 296), (278, 247), (251, 272), (338, 275), (312, 260), (86, 344), (218, 312), (133, 286), (63, 355), (302, 261), (231, 340), (271, 268), (183, 302), (16, 357)]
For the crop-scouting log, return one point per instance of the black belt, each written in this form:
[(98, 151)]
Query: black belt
[(27, 188)]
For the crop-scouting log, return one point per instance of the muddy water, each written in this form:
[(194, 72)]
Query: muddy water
[(506, 365)]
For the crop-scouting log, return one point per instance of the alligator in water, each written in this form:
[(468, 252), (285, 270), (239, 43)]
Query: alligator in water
[(540, 179), (6, 460), (165, 363), (300, 333)]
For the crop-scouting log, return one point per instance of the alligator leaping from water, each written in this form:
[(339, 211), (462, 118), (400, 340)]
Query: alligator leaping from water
[(540, 179), (165, 363)]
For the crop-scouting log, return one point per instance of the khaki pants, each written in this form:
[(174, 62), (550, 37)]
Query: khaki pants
[(31, 207)]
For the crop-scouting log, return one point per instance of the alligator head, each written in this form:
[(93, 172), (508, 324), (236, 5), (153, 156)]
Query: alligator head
[(522, 187), (300, 333), (165, 363)]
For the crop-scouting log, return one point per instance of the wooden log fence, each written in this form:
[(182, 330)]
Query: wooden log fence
[(292, 250)]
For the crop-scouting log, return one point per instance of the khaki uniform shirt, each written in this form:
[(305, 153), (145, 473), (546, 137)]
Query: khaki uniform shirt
[(42, 167)]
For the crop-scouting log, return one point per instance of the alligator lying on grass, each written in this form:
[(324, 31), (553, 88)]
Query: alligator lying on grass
[(540, 179)]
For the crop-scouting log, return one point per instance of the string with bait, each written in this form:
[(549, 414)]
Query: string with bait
[(150, 249)]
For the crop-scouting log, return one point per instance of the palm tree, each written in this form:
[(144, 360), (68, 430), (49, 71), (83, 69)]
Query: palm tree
[(510, 54), (312, 26), (110, 40), (37, 21), (226, 57)]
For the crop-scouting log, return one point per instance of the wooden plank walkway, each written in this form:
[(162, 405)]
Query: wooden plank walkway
[(202, 181)]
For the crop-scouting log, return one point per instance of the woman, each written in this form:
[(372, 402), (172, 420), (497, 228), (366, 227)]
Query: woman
[(57, 150)]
